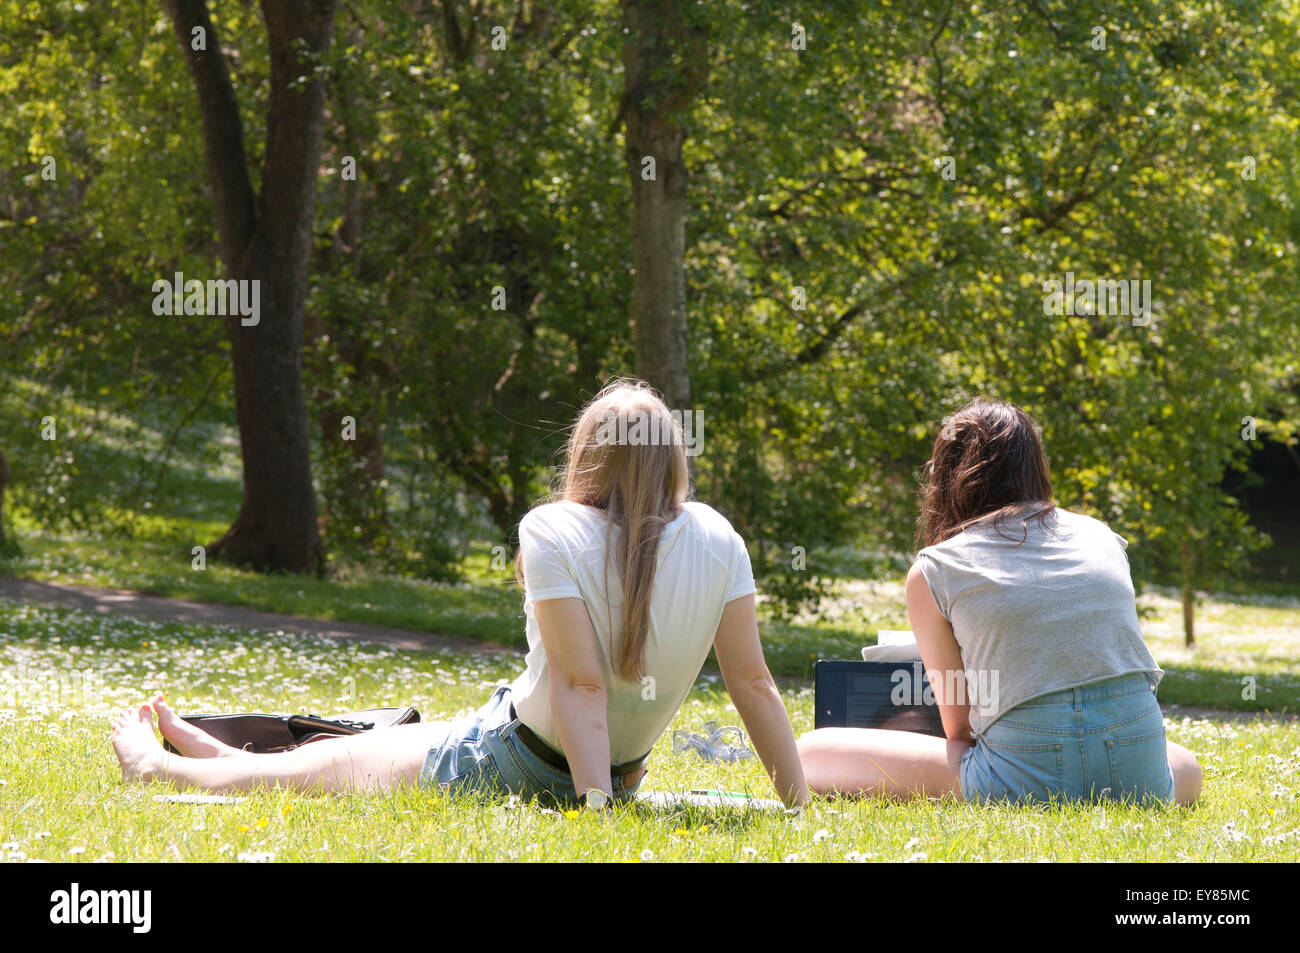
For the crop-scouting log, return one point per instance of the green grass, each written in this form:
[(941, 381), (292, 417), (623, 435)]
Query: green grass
[(1240, 637), (62, 673), (486, 606)]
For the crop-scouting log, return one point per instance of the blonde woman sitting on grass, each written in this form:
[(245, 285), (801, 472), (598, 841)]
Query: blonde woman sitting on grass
[(627, 584)]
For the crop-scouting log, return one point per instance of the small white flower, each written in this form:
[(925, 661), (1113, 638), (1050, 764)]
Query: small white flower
[(1233, 834), (821, 835), (647, 854), (76, 850)]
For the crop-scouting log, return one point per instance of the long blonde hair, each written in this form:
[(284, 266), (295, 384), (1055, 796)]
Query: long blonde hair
[(626, 455)]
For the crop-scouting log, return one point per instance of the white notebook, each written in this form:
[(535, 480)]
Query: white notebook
[(892, 645)]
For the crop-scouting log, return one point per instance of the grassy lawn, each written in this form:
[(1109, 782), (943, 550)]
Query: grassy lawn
[(62, 673), (1252, 635), (1240, 636)]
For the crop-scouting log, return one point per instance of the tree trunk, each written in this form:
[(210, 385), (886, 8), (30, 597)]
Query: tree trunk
[(4, 483), (267, 238), (664, 62), (354, 472), (1189, 594)]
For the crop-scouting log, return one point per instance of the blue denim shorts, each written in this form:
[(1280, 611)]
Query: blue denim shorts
[(482, 754), (1101, 741)]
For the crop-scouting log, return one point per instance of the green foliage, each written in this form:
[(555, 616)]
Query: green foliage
[(844, 291), (922, 291)]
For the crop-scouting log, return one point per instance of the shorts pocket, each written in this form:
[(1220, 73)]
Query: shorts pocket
[(461, 768), (1139, 715), (1033, 772), (1034, 723), (1139, 767)]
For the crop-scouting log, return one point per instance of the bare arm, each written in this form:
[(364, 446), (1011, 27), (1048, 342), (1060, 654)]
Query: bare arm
[(578, 703), (941, 655), (750, 685)]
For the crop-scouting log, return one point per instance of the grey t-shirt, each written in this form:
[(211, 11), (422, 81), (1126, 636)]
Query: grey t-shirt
[(1053, 612)]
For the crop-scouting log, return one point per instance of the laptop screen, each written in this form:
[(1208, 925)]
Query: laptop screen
[(893, 695)]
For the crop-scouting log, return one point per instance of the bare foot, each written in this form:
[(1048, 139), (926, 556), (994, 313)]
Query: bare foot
[(137, 749), (189, 741)]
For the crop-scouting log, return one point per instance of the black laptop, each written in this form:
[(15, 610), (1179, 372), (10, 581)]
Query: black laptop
[(891, 695)]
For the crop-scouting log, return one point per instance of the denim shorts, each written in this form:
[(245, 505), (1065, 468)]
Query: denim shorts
[(483, 754), (1101, 741)]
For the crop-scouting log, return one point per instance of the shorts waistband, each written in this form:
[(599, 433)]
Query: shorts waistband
[(1127, 684), (550, 756)]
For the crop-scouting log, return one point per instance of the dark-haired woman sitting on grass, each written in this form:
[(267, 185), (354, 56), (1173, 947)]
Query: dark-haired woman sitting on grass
[(1031, 607)]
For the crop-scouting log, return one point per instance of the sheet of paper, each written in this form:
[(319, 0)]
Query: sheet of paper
[(712, 799), (196, 799)]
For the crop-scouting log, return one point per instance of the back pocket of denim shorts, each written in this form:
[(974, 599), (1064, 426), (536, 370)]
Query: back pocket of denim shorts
[(1035, 771), (1139, 766)]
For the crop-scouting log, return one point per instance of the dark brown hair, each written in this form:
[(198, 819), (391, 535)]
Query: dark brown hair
[(987, 461)]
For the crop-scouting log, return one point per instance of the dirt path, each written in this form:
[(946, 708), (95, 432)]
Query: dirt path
[(166, 609), (128, 602)]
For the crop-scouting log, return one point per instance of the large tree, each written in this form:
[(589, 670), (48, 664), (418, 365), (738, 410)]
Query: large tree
[(4, 481), (665, 66), (265, 236)]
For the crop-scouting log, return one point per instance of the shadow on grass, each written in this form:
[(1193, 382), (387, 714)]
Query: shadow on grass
[(1208, 687)]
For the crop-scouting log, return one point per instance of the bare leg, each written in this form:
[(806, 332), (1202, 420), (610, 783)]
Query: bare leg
[(190, 741), (374, 760), (871, 761), (1187, 774)]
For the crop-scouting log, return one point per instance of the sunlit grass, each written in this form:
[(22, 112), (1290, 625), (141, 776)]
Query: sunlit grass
[(62, 674), (1240, 637), (1256, 638)]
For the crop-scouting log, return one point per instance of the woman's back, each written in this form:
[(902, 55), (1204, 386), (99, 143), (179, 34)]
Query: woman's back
[(701, 566), (1052, 612)]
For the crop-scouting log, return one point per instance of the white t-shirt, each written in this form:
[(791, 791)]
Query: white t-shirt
[(702, 565)]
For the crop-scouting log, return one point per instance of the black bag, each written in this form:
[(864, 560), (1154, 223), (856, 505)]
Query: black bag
[(264, 734)]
